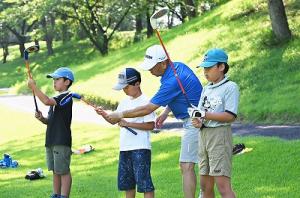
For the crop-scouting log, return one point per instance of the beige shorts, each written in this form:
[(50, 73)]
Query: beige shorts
[(59, 159), (215, 151)]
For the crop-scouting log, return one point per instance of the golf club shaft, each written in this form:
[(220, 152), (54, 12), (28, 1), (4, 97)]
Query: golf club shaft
[(173, 68), (29, 75)]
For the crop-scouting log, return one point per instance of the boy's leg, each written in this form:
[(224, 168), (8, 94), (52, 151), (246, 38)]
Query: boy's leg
[(130, 193), (141, 160), (66, 183), (56, 184), (224, 186), (62, 161), (188, 158), (189, 179), (149, 194), (207, 186)]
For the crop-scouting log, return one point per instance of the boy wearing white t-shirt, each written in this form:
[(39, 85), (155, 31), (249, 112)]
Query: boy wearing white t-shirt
[(135, 149)]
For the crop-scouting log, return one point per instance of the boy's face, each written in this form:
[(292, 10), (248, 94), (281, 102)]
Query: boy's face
[(60, 84), (215, 73), (132, 90)]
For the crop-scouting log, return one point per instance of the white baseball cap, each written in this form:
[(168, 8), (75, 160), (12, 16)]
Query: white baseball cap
[(154, 54)]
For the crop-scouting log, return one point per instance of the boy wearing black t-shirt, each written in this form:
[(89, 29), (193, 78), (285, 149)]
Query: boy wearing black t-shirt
[(58, 134)]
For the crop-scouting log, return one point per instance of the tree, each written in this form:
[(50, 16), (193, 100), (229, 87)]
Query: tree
[(279, 21), (98, 18)]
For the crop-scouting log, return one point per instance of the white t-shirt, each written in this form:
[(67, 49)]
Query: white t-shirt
[(129, 141)]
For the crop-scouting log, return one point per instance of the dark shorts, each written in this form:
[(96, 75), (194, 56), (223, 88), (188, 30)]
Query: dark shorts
[(134, 170), (59, 159)]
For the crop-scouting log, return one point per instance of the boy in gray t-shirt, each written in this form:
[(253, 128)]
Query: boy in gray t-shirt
[(218, 107)]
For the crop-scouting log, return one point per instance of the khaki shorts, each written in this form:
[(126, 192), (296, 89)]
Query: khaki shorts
[(215, 151), (189, 142), (58, 159)]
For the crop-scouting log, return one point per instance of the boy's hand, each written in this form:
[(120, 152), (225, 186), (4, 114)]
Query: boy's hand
[(39, 115), (31, 83), (123, 123), (197, 123)]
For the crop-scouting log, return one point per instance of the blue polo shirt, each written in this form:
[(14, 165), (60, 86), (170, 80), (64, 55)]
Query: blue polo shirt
[(170, 94)]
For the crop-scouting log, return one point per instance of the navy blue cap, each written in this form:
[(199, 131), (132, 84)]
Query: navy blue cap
[(127, 76), (214, 56), (62, 72)]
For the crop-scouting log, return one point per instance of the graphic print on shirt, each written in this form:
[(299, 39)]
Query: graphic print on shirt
[(211, 103)]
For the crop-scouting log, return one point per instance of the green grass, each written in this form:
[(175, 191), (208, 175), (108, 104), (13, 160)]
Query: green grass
[(266, 71), (269, 171)]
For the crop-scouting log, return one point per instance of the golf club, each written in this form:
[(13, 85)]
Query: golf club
[(28, 50), (69, 97), (154, 21)]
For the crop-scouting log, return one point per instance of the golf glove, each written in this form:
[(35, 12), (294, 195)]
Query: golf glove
[(196, 113)]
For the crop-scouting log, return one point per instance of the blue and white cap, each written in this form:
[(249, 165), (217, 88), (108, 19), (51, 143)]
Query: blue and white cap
[(62, 72), (127, 76), (154, 54), (214, 56)]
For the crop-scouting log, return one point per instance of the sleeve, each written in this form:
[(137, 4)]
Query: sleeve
[(167, 92), (59, 98), (232, 99)]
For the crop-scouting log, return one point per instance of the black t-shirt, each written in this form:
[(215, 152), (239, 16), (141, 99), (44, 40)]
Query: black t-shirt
[(59, 123)]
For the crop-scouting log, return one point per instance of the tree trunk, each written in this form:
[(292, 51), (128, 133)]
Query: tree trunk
[(48, 36), (64, 29), (279, 21), (191, 8), (138, 27), (36, 42), (5, 53), (22, 48), (149, 27)]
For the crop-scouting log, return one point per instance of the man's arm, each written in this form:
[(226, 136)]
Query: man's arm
[(43, 97), (136, 112)]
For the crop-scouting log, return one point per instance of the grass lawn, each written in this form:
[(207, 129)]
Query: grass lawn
[(270, 170)]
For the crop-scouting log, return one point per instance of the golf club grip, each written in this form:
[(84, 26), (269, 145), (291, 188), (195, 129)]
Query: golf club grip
[(131, 130), (35, 103)]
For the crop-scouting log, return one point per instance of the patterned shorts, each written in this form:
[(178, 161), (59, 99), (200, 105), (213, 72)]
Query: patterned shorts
[(134, 170)]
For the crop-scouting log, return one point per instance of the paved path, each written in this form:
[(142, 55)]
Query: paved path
[(84, 113)]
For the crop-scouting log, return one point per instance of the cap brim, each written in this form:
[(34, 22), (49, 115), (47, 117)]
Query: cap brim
[(207, 64), (147, 64), (119, 86), (53, 76)]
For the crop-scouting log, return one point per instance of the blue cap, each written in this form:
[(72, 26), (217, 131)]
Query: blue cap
[(62, 72), (127, 76), (214, 56)]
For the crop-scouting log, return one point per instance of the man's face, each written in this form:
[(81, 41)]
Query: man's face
[(158, 70)]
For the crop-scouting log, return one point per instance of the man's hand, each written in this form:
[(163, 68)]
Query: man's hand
[(160, 120), (100, 111), (197, 123)]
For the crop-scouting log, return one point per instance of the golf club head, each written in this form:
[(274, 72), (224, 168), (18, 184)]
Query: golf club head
[(68, 98), (76, 95), (156, 16), (30, 49)]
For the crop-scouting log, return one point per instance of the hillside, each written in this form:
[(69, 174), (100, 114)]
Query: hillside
[(268, 73)]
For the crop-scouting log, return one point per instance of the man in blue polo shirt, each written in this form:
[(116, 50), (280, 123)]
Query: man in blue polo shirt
[(171, 96)]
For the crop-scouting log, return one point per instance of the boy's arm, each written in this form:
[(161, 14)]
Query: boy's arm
[(220, 117), (142, 126), (43, 97)]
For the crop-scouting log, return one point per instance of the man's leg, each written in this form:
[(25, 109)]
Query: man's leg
[(130, 193), (56, 184), (207, 186), (224, 186), (189, 179), (66, 183)]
